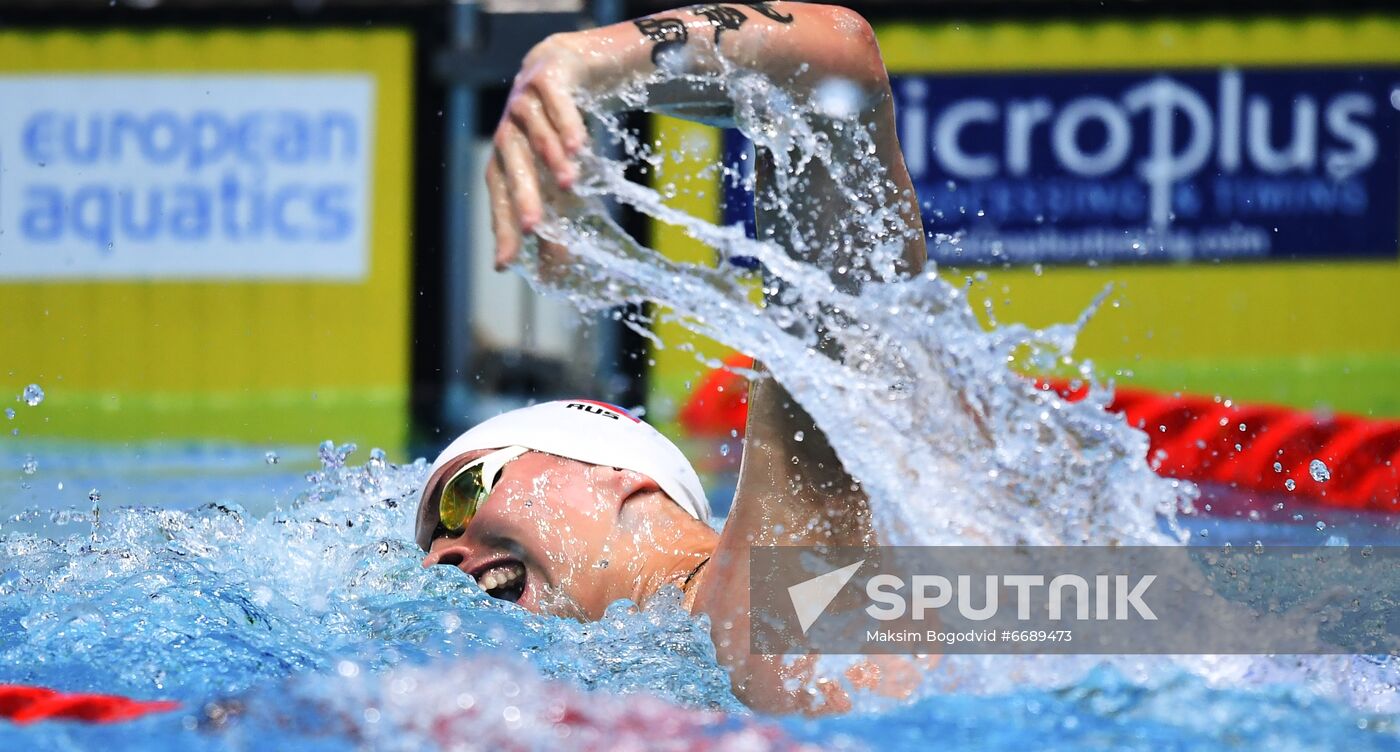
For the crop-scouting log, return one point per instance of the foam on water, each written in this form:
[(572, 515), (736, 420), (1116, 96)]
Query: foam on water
[(210, 604), (314, 627)]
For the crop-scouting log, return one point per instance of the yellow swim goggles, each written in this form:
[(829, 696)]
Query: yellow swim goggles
[(468, 488)]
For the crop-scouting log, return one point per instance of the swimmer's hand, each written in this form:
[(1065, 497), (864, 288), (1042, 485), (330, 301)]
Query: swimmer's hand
[(541, 120), (796, 45)]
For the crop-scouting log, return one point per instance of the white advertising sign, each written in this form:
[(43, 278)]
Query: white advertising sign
[(185, 177)]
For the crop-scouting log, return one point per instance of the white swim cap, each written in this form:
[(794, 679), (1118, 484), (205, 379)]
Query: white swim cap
[(585, 430)]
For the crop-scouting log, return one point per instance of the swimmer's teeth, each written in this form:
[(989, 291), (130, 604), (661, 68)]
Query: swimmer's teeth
[(501, 576)]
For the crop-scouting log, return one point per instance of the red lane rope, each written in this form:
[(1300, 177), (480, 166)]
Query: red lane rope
[(22, 704), (719, 404), (1264, 447), (1194, 438)]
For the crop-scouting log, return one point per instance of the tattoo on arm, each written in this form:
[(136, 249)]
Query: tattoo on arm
[(666, 33), (770, 12), (722, 17)]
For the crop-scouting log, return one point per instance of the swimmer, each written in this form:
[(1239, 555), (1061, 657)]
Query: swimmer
[(566, 507)]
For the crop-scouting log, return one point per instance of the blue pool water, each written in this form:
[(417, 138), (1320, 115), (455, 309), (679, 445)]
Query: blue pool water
[(279, 606)]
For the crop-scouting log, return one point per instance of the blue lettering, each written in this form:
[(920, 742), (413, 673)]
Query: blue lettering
[(160, 150), (127, 209), (1259, 197), (291, 140), (38, 138), (249, 137), (230, 195), (209, 139), (76, 152), (92, 215), (224, 196), (190, 213), (1355, 199), (122, 123), (331, 205), (342, 123), (281, 201), (42, 220)]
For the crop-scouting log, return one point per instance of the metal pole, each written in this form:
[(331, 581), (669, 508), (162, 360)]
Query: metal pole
[(608, 337), (458, 398)]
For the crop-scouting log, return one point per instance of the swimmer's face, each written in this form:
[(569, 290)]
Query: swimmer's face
[(561, 536)]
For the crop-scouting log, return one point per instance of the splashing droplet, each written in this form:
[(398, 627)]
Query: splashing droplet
[(30, 465), (1289, 484), (33, 395), (10, 413), (271, 458), (1319, 472), (837, 98), (94, 496)]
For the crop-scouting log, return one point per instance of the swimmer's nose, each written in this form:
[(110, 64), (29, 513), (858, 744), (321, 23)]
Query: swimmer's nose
[(452, 557)]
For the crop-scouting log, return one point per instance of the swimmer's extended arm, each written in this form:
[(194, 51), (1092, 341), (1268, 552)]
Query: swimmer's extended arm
[(792, 491), (797, 45)]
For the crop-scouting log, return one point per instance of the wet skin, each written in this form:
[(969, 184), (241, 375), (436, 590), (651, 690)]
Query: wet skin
[(586, 536), (790, 491)]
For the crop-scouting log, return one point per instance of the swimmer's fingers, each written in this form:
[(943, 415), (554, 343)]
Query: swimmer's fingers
[(563, 112), (528, 114), (503, 220), (518, 164)]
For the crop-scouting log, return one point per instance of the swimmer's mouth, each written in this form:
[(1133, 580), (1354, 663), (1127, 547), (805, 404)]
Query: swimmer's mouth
[(503, 579)]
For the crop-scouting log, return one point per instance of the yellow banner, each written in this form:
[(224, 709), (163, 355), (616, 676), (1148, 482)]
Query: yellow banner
[(207, 233)]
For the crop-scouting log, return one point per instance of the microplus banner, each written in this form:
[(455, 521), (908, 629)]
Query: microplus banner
[(1091, 166), (1213, 164), (185, 176)]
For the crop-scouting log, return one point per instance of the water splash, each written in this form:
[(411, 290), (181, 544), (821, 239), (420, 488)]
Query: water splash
[(33, 395), (952, 444), (213, 603), (314, 627), (929, 409), (1317, 470)]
